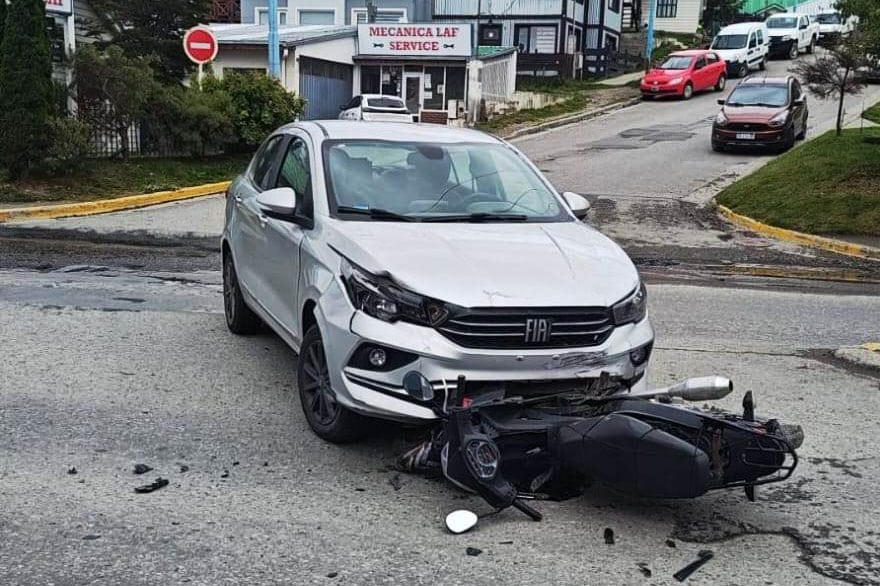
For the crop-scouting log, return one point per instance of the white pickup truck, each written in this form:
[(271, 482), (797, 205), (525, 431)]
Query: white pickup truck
[(833, 26), (791, 33)]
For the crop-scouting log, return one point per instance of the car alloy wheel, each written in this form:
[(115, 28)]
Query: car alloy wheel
[(240, 319), (793, 50), (721, 83), (318, 397), (688, 91)]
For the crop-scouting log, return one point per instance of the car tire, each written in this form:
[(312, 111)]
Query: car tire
[(743, 70), (793, 50), (812, 48), (688, 92), (717, 147), (803, 133), (240, 319), (325, 415), (789, 140), (721, 83)]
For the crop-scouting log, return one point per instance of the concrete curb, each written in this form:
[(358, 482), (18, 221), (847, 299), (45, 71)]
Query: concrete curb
[(810, 240), (571, 119), (88, 208)]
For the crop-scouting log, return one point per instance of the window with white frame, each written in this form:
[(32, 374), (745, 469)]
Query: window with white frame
[(387, 15), (667, 8), (261, 16), (316, 16)]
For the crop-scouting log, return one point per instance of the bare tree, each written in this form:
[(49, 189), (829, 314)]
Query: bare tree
[(835, 73)]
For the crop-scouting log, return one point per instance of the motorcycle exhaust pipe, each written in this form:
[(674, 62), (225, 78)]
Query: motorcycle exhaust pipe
[(702, 388)]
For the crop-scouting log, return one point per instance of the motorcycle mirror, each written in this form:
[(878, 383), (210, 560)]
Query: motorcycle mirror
[(460, 521), (702, 388)]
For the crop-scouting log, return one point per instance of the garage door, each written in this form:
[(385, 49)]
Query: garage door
[(325, 86)]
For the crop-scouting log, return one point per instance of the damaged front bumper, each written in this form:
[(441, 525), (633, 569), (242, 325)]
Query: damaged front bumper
[(377, 390)]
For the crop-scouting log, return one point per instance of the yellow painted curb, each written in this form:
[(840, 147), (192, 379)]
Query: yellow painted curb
[(810, 240), (872, 346), (88, 208)]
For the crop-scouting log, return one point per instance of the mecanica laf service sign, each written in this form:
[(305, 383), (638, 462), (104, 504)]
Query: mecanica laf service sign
[(64, 6), (415, 40)]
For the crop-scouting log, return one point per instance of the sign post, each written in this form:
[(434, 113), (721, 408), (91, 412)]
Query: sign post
[(274, 53), (200, 45), (649, 37)]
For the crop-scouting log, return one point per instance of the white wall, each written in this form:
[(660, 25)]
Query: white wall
[(687, 18), (337, 50)]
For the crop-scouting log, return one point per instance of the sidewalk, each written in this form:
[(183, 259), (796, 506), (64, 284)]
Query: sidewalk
[(624, 79)]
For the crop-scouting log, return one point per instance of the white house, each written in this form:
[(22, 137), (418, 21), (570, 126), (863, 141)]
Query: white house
[(676, 16)]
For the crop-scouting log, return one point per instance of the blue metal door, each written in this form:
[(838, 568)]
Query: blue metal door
[(325, 85)]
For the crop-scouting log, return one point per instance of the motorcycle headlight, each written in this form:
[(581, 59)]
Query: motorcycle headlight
[(482, 458), (780, 119), (721, 119), (381, 298), (632, 309)]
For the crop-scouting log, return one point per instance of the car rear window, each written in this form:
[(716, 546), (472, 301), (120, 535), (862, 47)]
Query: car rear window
[(386, 102)]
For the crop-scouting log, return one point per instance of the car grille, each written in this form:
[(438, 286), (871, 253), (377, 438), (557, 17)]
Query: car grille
[(748, 127), (529, 328)]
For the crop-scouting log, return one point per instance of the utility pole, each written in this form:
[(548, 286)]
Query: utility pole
[(274, 57), (649, 37)]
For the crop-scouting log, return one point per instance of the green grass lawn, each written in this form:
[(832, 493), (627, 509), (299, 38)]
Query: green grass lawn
[(873, 114), (830, 185), (101, 178)]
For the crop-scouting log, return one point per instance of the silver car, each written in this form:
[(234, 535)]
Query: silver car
[(389, 253)]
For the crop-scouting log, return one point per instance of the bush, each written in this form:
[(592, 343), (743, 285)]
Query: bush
[(196, 122), (67, 147), (260, 105)]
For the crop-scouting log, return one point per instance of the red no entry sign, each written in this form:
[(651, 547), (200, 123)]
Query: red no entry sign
[(200, 45)]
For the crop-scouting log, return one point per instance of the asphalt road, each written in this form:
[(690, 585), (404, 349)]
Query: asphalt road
[(106, 368)]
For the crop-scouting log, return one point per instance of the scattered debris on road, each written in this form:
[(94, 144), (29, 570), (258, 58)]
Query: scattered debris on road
[(395, 481), (183, 468), (71, 470), (473, 551), (225, 474), (332, 574), (155, 485), (646, 571), (91, 537), (141, 468), (684, 573), (670, 543), (609, 536)]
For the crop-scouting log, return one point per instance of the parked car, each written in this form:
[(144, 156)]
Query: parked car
[(833, 26), (388, 253), (685, 72), (375, 108), (791, 33), (743, 46), (765, 112)]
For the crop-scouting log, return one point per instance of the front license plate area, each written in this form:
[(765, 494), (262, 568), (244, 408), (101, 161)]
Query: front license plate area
[(745, 136)]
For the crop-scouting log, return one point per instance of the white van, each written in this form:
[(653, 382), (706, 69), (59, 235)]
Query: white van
[(744, 46)]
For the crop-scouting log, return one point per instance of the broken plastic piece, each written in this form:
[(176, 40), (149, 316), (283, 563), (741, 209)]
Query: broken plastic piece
[(141, 468), (155, 485), (684, 573), (461, 521), (609, 536)]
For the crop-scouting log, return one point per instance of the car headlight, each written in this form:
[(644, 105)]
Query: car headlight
[(780, 119), (721, 119), (383, 299), (632, 309), (675, 80), (785, 38)]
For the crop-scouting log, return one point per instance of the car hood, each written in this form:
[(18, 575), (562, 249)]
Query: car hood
[(781, 32), (730, 54), (751, 113), (664, 75), (491, 265)]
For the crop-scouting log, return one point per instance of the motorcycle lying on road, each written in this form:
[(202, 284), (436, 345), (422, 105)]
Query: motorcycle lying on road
[(513, 448)]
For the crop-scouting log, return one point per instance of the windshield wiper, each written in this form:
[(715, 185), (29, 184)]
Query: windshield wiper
[(376, 213), (478, 217)]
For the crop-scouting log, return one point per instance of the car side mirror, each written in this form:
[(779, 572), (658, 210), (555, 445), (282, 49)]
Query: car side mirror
[(722, 102), (280, 201), (578, 204), (800, 101)]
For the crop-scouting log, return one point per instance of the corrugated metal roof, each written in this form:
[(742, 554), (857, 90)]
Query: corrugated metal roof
[(288, 35)]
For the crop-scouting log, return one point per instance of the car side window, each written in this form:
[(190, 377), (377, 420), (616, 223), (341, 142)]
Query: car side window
[(701, 63), (296, 173), (712, 58), (760, 35), (753, 41), (796, 90), (264, 160)]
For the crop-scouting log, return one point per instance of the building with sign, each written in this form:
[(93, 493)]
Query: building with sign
[(434, 67)]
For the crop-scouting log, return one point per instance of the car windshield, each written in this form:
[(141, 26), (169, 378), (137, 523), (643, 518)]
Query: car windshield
[(676, 62), (386, 102), (723, 42), (830, 18), (786, 22), (418, 181), (771, 96)]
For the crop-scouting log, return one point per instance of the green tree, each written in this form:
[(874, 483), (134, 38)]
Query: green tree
[(26, 90), (150, 28), (868, 12), (198, 122), (113, 91), (719, 13), (260, 105), (2, 19)]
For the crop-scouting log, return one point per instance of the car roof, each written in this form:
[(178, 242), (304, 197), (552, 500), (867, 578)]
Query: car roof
[(393, 131), (690, 52), (766, 80), (740, 27)]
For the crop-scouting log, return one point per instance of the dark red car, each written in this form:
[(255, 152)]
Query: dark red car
[(686, 72), (764, 112)]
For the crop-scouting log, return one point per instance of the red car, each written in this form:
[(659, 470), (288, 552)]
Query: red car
[(684, 73)]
